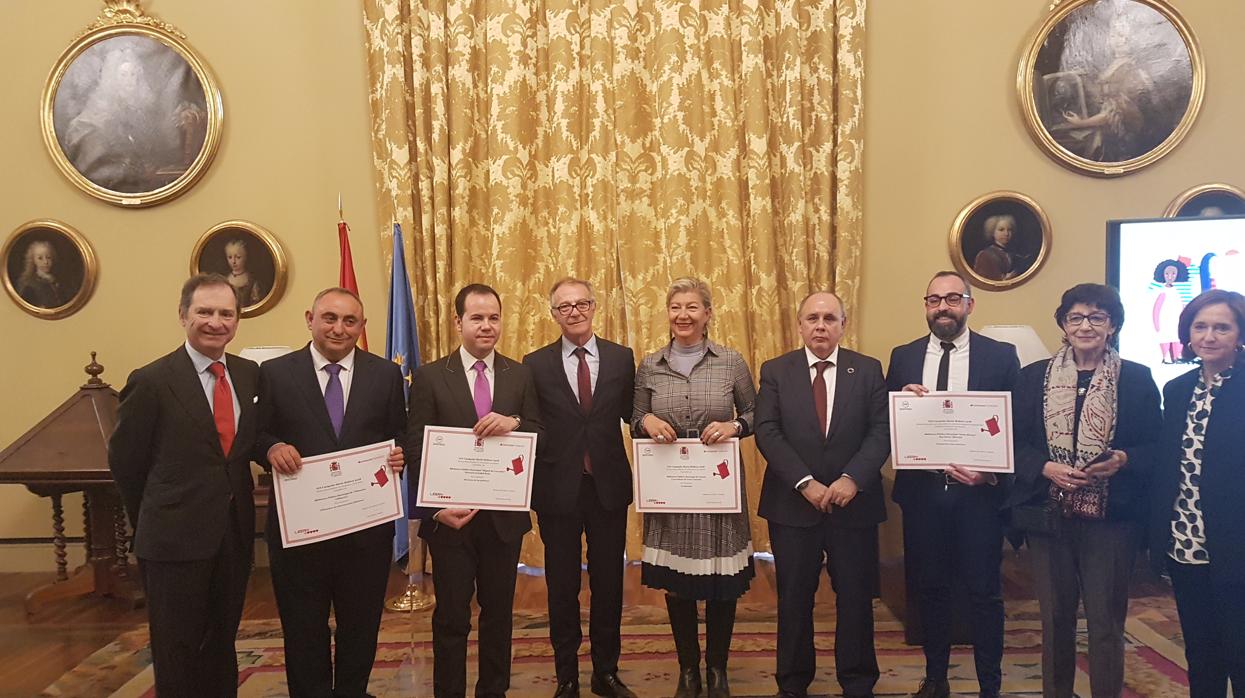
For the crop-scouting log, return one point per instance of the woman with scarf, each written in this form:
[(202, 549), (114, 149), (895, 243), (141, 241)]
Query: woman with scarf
[(1085, 425)]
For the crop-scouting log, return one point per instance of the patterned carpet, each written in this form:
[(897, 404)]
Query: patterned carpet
[(1154, 661)]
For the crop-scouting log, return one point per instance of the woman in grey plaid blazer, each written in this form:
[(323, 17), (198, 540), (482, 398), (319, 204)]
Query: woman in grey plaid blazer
[(695, 388)]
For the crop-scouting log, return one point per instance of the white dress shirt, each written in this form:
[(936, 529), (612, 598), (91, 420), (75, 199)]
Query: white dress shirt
[(957, 377), (208, 381), (469, 363), (831, 377), (570, 363), (347, 364)]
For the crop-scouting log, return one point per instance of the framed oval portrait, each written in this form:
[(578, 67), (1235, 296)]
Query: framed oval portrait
[(1110, 86), (1207, 201), (248, 256), (131, 114), (49, 269), (1000, 240)]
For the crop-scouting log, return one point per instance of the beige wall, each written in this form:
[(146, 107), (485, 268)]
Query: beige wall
[(293, 77), (942, 126)]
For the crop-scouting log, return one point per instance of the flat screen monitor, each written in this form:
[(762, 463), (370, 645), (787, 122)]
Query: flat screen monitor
[(1159, 265)]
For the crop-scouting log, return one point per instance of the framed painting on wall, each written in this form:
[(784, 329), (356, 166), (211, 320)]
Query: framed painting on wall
[(250, 257), (1107, 87), (1207, 201), (49, 269), (1000, 240), (131, 114)]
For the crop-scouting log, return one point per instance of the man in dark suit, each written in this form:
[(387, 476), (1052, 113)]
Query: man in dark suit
[(473, 550), (326, 397), (586, 386), (953, 524), (181, 456), (821, 423)]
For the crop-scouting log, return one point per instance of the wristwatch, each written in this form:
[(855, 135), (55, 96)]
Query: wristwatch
[(803, 485), (517, 421)]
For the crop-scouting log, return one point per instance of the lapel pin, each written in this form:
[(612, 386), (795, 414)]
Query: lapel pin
[(850, 369)]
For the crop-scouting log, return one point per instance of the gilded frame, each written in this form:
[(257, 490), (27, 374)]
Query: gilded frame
[(1213, 193), (1022, 255), (1136, 97), (73, 259), (144, 152), (264, 267)]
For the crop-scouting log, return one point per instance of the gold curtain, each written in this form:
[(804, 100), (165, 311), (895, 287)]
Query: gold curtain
[(628, 142)]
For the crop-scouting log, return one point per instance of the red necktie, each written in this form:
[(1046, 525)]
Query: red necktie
[(819, 395), (584, 379), (222, 407)]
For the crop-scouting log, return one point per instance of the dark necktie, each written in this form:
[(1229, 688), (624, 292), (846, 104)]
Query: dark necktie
[(944, 365), (819, 395), (584, 380), (222, 407), (335, 398)]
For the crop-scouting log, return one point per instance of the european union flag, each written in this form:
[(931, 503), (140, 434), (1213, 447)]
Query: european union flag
[(402, 348)]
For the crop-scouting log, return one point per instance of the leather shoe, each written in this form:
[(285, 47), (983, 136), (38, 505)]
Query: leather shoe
[(567, 689), (716, 683), (689, 683), (611, 686), (933, 688)]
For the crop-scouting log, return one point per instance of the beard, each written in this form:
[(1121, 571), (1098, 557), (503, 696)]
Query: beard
[(944, 330)]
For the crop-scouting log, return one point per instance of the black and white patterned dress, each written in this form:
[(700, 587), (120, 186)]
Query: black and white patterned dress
[(697, 556), (1188, 526)]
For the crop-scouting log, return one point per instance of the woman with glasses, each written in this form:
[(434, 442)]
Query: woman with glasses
[(696, 388), (1085, 426), (1197, 521)]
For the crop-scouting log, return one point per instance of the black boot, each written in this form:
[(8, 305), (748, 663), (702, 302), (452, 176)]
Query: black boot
[(715, 683), (719, 627), (686, 645)]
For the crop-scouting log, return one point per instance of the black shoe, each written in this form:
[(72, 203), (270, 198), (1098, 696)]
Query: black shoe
[(610, 685), (567, 689), (716, 683), (933, 688), (689, 683)]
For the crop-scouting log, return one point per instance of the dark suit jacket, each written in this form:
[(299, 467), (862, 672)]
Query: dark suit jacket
[(559, 462), (1137, 425), (1222, 488), (440, 397), (788, 435), (165, 456), (992, 366), (292, 411)]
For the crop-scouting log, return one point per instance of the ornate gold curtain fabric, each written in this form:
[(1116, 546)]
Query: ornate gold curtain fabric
[(628, 142)]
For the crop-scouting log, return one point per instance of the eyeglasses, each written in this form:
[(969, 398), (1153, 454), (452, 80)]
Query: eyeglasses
[(1095, 320), (953, 300), (566, 308)]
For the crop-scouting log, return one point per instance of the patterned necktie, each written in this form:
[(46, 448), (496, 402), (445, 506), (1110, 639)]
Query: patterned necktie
[(819, 395), (944, 366), (335, 398), (481, 397), (222, 407), (584, 379)]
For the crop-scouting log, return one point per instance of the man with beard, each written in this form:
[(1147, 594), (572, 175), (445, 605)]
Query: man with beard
[(953, 526)]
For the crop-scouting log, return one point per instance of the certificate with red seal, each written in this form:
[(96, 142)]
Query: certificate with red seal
[(972, 430), (687, 477), (337, 493), (459, 470)]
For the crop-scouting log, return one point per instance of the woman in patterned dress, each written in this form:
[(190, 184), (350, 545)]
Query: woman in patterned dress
[(1197, 521), (1086, 425), (696, 388)]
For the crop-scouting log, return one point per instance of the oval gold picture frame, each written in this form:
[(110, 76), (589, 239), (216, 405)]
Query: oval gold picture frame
[(1020, 259), (1105, 120), (1204, 195), (264, 265), (73, 273), (122, 114)]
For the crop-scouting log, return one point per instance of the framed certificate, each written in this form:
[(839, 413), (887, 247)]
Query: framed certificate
[(687, 477), (337, 493), (461, 470), (972, 430)]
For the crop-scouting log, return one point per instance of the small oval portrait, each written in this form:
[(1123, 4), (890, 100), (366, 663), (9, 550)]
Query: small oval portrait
[(1000, 240), (248, 256), (1110, 86), (49, 269), (1207, 201), (131, 115)]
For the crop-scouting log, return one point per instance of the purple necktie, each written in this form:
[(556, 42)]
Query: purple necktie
[(334, 398), (483, 401)]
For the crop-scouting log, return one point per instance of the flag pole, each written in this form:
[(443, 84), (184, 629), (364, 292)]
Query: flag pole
[(414, 598)]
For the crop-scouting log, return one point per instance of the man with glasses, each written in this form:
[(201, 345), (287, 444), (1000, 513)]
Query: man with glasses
[(953, 528), (586, 385)]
